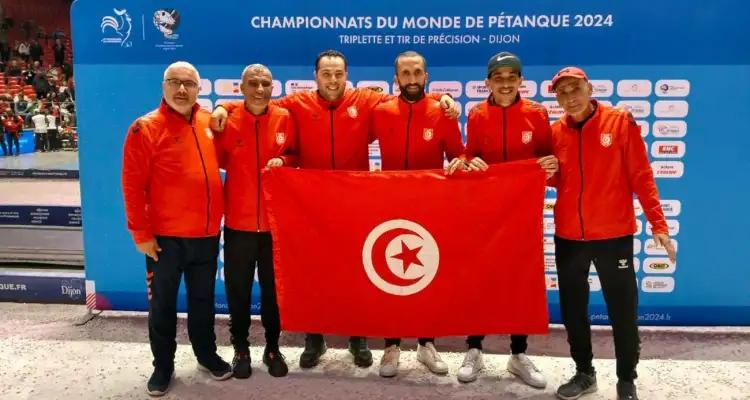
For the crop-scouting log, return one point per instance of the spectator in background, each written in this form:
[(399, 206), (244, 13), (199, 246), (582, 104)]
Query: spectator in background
[(40, 131), (59, 51), (41, 85), (52, 133), (28, 75), (24, 50), (21, 106), (13, 69), (36, 51), (7, 96)]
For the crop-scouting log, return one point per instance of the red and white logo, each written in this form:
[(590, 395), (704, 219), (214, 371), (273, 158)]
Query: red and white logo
[(280, 138), (526, 137), (400, 257), (605, 139), (427, 134), (352, 111)]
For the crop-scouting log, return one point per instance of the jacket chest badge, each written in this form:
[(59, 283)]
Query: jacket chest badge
[(605, 139), (280, 138), (526, 137), (209, 133), (427, 134), (352, 111)]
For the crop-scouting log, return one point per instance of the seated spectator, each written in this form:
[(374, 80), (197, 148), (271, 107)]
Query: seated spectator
[(13, 69), (7, 96), (21, 107)]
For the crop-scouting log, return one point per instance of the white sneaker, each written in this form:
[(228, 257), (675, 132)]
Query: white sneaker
[(428, 356), (522, 366), (389, 362), (473, 363)]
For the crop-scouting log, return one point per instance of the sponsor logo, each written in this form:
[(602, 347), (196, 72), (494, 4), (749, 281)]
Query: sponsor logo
[(658, 284), (383, 85), (477, 90), (205, 86), (622, 263), (352, 111), (671, 108), (454, 88), (602, 88), (658, 265), (636, 246), (668, 149), (549, 245), (228, 87), (670, 129), (526, 136), (644, 127), (549, 206), (637, 208), (605, 139), (549, 226), (636, 264), (652, 249), (594, 284), (280, 138), (427, 134), (470, 105), (554, 109), (373, 149), (673, 226), (167, 20), (638, 226), (13, 287), (672, 88), (668, 169), (206, 104), (551, 282), (294, 86), (545, 89), (375, 165), (671, 208), (400, 257), (639, 108), (71, 290), (276, 88), (549, 264), (527, 89), (634, 88), (118, 27)]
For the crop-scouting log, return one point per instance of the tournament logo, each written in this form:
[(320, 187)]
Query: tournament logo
[(526, 137), (427, 134), (167, 20), (120, 24), (280, 138), (352, 111), (605, 139), (400, 257)]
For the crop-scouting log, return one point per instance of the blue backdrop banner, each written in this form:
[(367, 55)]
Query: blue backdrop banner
[(681, 67)]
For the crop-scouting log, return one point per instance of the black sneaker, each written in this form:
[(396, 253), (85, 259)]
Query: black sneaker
[(360, 351), (275, 361), (217, 368), (241, 368), (159, 382), (577, 386), (626, 391), (315, 347)]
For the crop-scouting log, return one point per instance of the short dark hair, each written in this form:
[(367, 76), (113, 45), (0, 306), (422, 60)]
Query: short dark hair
[(409, 53), (330, 53)]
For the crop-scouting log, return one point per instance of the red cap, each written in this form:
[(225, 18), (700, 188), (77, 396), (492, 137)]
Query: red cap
[(572, 72)]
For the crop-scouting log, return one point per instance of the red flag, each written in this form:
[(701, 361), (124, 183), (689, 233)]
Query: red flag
[(409, 254)]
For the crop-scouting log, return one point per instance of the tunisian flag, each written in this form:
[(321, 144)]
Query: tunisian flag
[(409, 254)]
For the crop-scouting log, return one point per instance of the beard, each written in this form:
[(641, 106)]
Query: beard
[(408, 95)]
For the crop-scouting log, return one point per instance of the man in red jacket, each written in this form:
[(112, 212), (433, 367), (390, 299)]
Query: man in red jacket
[(333, 133), (413, 133), (505, 128), (174, 204), (603, 161), (256, 137), (13, 125)]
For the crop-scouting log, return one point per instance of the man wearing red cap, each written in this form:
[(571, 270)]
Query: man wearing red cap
[(603, 162), (506, 128)]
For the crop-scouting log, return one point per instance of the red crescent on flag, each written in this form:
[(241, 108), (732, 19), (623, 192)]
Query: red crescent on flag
[(378, 257)]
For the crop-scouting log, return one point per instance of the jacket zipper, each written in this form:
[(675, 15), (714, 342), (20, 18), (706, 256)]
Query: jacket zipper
[(333, 154), (257, 170), (406, 152), (205, 176), (505, 151), (580, 168)]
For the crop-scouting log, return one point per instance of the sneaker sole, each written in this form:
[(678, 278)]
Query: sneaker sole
[(591, 389), (470, 378), (532, 384), (224, 377), (160, 393)]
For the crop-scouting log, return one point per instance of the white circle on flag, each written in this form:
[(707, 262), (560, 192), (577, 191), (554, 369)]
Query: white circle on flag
[(400, 257)]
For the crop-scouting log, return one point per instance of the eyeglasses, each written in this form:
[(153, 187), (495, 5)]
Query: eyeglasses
[(176, 83)]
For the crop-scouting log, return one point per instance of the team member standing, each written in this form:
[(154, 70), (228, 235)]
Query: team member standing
[(174, 203), (603, 161)]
